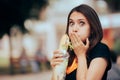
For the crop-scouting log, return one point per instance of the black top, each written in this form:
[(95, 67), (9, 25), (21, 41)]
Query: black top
[(100, 50)]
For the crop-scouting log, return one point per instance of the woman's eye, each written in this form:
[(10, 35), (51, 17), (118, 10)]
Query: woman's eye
[(82, 23), (71, 23)]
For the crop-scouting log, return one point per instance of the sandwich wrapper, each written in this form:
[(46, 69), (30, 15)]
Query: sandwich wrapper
[(60, 70)]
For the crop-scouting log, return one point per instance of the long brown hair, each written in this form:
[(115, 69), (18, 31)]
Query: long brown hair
[(96, 34)]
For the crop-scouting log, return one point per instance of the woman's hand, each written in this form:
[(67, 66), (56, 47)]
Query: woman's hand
[(79, 47), (57, 58)]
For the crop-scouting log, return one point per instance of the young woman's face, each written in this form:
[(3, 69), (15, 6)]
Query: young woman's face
[(79, 24)]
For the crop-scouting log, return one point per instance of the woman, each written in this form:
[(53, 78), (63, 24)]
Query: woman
[(90, 58)]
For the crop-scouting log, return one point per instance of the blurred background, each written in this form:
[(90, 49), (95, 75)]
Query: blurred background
[(30, 30)]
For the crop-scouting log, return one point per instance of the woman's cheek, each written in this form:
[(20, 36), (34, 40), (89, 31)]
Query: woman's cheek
[(69, 31)]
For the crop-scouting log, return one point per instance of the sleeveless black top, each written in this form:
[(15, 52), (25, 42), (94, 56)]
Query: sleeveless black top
[(100, 50)]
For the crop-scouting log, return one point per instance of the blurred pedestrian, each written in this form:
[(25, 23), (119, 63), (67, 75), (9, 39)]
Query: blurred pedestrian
[(24, 62)]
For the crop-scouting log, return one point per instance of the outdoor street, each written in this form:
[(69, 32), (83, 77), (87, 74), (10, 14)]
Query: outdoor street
[(30, 76)]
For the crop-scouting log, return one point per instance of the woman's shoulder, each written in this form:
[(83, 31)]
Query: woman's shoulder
[(100, 50), (101, 45)]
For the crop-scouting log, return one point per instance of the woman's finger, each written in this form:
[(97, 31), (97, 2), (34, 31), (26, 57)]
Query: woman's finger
[(87, 42), (54, 64), (56, 61), (57, 53), (73, 39), (76, 37), (80, 42)]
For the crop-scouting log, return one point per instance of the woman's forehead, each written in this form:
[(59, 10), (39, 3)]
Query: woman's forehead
[(77, 15)]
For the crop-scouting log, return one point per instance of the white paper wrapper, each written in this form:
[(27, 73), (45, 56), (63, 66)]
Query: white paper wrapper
[(60, 70)]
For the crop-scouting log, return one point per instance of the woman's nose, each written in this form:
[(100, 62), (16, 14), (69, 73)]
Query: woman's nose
[(75, 29)]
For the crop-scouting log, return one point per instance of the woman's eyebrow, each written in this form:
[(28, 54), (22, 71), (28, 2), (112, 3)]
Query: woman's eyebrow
[(70, 19), (81, 19), (78, 19)]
